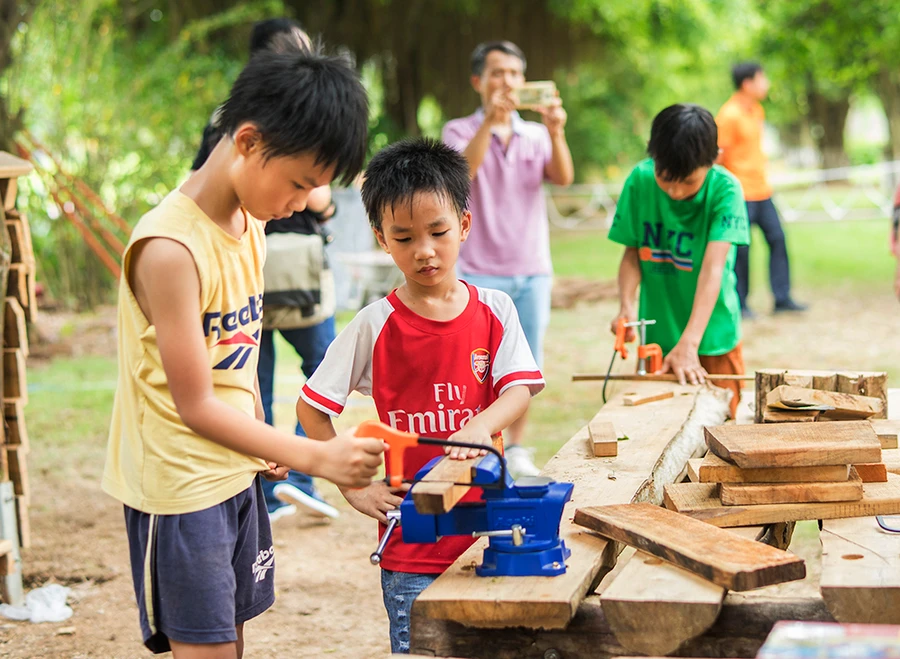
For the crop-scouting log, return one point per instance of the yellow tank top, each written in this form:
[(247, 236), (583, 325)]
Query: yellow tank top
[(155, 463)]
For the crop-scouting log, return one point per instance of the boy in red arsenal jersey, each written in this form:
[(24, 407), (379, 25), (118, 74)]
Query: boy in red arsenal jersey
[(440, 357)]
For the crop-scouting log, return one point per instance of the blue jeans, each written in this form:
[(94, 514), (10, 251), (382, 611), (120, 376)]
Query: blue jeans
[(531, 295), (763, 214), (399, 590), (311, 344)]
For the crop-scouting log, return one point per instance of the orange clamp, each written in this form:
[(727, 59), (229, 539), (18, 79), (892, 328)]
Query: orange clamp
[(397, 440), (653, 353)]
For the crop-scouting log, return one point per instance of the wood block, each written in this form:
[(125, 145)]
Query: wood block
[(802, 379), (603, 439), (795, 444), (743, 494), (847, 382), (632, 398), (18, 469), (766, 380), (14, 415), (713, 469), (693, 469), (887, 432), (773, 415), (16, 284), (872, 473), (14, 375), (18, 249), (15, 333), (718, 556), (23, 522), (701, 501), (860, 580), (875, 385), (845, 406), (439, 489)]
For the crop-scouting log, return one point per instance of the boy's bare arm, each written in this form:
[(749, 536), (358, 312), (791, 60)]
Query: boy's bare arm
[(165, 281), (629, 279), (376, 499), (684, 360), (508, 407)]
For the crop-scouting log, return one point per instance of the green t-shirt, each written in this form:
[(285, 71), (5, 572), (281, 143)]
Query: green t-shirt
[(671, 237)]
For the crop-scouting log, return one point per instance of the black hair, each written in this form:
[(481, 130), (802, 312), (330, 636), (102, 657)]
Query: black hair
[(683, 138), (479, 55), (744, 71), (303, 102), (397, 172), (264, 31)]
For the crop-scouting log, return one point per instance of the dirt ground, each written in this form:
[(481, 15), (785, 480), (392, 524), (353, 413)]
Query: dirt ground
[(329, 600)]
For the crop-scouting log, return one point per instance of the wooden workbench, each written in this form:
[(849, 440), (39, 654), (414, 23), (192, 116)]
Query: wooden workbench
[(464, 616)]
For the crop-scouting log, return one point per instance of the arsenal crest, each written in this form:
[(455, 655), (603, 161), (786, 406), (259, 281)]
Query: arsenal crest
[(481, 364)]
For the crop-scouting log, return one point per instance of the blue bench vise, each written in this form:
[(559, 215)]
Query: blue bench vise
[(521, 518)]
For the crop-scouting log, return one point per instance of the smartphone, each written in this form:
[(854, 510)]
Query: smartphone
[(536, 94)]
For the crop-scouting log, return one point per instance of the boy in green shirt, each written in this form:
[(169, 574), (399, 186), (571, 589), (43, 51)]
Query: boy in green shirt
[(680, 219)]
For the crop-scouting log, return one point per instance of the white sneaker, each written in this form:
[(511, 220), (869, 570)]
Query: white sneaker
[(519, 462), (295, 496), (282, 511)]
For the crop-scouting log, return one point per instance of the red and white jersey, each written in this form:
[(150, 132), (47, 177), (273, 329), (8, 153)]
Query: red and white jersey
[(428, 377)]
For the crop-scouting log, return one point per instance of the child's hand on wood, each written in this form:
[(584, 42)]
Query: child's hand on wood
[(376, 499), (684, 362), (472, 433)]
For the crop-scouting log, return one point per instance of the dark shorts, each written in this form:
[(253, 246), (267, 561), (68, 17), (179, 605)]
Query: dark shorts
[(198, 575)]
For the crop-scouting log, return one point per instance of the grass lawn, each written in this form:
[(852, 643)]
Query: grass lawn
[(70, 402)]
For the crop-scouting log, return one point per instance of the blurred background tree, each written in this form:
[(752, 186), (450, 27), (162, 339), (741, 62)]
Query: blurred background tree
[(119, 90)]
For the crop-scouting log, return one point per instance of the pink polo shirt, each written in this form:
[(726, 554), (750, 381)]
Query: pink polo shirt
[(510, 231)]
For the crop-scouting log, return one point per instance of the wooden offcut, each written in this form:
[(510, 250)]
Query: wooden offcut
[(766, 380), (716, 555), (773, 415), (14, 378), (603, 439), (15, 333), (795, 444), (701, 501), (860, 580), (750, 494), (839, 405), (865, 383), (887, 432), (872, 473), (459, 595), (631, 399), (713, 469)]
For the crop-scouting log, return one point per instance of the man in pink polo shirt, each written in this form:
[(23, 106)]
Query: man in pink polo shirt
[(509, 159)]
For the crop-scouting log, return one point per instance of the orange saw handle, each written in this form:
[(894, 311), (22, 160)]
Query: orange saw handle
[(653, 353), (397, 440), (620, 346)]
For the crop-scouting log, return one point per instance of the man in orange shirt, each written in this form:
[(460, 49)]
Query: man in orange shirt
[(740, 123)]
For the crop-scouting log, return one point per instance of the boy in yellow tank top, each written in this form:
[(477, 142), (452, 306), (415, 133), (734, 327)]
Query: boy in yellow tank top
[(187, 437)]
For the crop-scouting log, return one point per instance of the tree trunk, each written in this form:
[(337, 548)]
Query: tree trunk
[(887, 86), (827, 120)]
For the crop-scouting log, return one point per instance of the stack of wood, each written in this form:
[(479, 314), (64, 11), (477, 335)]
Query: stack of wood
[(795, 396), (788, 472)]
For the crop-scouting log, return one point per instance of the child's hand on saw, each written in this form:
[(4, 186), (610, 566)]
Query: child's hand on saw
[(471, 433)]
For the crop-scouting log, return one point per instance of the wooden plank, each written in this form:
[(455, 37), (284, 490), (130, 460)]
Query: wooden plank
[(14, 416), (540, 602), (766, 380), (860, 580), (724, 558), (887, 432), (846, 406), (437, 492), (603, 439), (23, 522), (13, 167), (8, 189), (872, 473), (772, 415), (15, 333), (652, 377), (16, 284), (18, 248), (631, 398), (14, 375), (743, 494), (713, 469), (739, 631), (18, 470), (795, 444), (701, 501), (31, 309)]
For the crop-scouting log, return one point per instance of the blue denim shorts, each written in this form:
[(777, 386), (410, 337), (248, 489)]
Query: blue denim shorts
[(531, 295), (400, 590), (199, 575)]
